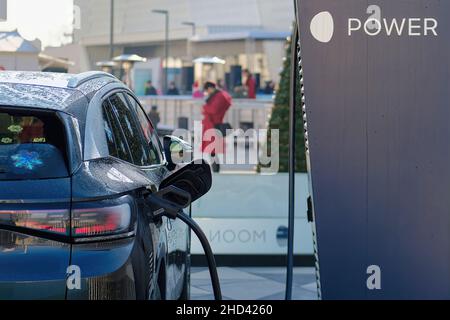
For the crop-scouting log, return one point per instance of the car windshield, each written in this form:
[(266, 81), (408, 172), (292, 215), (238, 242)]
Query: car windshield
[(32, 145)]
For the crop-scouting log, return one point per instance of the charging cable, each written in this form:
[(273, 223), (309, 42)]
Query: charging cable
[(160, 206), (208, 252)]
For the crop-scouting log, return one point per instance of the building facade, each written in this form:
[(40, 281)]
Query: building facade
[(249, 34), (16, 53)]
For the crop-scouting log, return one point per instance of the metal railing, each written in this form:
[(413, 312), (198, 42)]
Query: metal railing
[(244, 113)]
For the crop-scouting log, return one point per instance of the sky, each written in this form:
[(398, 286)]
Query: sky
[(47, 20)]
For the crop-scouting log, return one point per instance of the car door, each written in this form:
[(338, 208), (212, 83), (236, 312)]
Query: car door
[(132, 148), (177, 231)]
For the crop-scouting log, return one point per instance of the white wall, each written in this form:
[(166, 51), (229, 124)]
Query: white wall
[(73, 52), (3, 10), (19, 61), (242, 213), (134, 21), (277, 14), (276, 53), (226, 12)]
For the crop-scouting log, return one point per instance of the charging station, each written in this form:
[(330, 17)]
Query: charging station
[(376, 83)]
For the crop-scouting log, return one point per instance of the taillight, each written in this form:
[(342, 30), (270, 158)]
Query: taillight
[(101, 221), (55, 221), (108, 219)]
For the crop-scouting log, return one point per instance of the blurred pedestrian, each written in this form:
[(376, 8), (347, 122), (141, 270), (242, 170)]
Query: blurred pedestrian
[(217, 104), (196, 92), (270, 87), (150, 90), (154, 116), (173, 90), (250, 84)]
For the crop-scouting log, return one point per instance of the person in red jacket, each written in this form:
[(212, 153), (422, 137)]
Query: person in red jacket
[(250, 84), (214, 110)]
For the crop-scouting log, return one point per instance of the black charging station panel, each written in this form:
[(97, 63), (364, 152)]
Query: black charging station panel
[(378, 114)]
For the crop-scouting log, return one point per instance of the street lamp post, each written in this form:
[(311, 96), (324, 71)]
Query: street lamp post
[(111, 32), (106, 66), (189, 43), (166, 47), (191, 24), (127, 62)]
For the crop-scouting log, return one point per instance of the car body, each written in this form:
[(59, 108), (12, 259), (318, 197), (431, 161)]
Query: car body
[(77, 153)]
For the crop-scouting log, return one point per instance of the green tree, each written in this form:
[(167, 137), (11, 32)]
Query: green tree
[(280, 117)]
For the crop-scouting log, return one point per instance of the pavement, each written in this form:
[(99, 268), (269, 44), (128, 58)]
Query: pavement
[(254, 283)]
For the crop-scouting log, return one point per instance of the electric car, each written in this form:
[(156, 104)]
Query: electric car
[(78, 154)]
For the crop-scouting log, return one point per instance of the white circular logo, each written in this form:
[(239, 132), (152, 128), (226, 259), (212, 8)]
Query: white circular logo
[(322, 27)]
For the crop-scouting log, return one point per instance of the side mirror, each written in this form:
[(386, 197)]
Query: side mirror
[(177, 151), (194, 178)]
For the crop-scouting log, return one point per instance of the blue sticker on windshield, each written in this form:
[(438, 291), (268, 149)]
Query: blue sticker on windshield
[(26, 160)]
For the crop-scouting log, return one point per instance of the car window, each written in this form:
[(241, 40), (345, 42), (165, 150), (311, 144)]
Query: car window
[(117, 145), (131, 130), (32, 145), (150, 134)]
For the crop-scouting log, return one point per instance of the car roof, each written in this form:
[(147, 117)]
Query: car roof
[(47, 90)]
